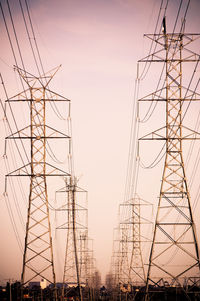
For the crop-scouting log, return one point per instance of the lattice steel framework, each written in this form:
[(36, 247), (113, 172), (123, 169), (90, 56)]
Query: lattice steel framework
[(84, 258), (123, 268), (123, 254), (38, 260), (136, 269), (91, 265), (115, 259), (71, 274), (76, 262), (174, 253)]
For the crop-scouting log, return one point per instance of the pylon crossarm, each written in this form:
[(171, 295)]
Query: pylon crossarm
[(177, 37), (191, 38), (150, 57), (22, 171), (17, 171), (155, 96), (19, 134), (60, 97), (19, 97), (52, 74), (192, 53), (27, 79), (130, 220), (155, 135), (31, 79), (23, 135), (159, 96), (155, 38), (56, 169)]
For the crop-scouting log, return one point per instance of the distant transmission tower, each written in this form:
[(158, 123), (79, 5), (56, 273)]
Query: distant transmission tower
[(123, 253), (84, 258), (115, 259), (38, 260), (174, 252), (71, 274), (136, 268), (76, 262)]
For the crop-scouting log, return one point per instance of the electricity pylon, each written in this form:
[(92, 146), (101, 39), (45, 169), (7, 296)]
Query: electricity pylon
[(38, 259), (115, 259), (84, 258), (76, 251), (71, 274), (132, 262), (136, 268), (123, 253), (174, 252), (91, 264), (121, 250)]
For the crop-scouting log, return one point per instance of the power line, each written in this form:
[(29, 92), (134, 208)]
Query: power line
[(53, 105)]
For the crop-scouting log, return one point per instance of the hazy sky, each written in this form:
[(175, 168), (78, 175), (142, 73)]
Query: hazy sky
[(98, 43)]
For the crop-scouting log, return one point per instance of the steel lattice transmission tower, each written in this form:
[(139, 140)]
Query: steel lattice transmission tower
[(71, 274), (136, 270), (174, 252), (76, 262), (115, 259), (84, 258), (120, 260), (123, 253), (38, 259), (131, 263)]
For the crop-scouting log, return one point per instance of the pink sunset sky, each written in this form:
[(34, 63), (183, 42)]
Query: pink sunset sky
[(98, 43)]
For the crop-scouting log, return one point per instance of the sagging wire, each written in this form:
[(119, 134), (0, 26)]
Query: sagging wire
[(53, 105), (133, 166), (144, 72), (141, 77), (146, 117), (14, 226), (132, 141), (155, 162), (15, 33)]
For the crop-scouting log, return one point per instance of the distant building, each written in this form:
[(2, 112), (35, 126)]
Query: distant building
[(58, 285), (34, 284), (43, 283)]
